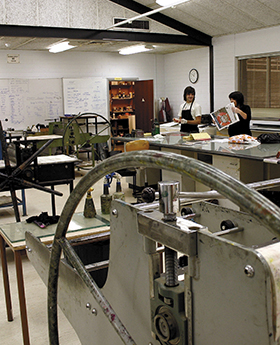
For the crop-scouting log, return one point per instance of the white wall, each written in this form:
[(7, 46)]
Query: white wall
[(176, 72), (226, 51), (79, 65), (169, 72)]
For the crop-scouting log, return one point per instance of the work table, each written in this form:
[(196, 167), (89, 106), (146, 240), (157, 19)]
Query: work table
[(245, 162), (218, 145)]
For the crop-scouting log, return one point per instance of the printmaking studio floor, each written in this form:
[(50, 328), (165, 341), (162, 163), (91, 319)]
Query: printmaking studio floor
[(36, 291)]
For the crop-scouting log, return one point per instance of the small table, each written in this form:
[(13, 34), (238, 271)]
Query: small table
[(14, 235)]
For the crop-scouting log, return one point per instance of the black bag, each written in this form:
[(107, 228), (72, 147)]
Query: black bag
[(269, 138)]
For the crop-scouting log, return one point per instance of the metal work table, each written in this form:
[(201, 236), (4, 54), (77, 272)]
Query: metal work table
[(244, 162), (14, 235), (217, 146)]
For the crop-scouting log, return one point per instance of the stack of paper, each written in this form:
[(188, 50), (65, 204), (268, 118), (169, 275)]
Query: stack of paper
[(198, 136)]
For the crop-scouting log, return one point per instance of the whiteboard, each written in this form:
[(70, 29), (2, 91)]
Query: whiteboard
[(83, 95), (27, 102)]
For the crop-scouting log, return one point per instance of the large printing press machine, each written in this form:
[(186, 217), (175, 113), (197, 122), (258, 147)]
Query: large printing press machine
[(41, 156), (20, 150), (182, 269), (23, 165)]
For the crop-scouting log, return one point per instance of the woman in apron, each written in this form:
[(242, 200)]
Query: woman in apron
[(190, 112)]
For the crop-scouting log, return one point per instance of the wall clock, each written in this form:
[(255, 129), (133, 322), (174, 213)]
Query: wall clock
[(193, 75)]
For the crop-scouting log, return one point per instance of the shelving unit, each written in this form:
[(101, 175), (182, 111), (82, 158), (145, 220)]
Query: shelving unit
[(122, 95), (122, 109), (130, 98), (123, 126)]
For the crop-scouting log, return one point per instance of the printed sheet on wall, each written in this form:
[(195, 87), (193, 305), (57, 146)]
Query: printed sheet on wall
[(27, 102)]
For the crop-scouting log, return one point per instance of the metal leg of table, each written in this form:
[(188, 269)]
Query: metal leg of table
[(53, 202), (6, 280), (23, 201), (71, 186), (21, 296)]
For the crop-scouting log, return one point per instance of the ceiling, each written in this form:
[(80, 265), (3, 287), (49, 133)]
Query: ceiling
[(187, 26)]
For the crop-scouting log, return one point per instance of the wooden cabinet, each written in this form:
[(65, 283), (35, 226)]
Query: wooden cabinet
[(127, 98)]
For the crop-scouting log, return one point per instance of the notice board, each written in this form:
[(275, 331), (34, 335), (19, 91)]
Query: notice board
[(83, 95), (27, 102)]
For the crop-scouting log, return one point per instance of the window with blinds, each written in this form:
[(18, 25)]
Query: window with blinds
[(259, 81)]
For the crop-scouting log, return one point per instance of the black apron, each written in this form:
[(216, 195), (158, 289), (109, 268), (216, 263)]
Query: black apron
[(185, 127)]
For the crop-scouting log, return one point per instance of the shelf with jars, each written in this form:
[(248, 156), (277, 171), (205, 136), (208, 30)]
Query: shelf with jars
[(121, 97), (132, 98)]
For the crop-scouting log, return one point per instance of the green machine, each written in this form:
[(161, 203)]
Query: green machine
[(76, 137)]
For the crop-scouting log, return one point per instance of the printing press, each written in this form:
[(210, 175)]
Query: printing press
[(23, 167), (39, 171), (211, 276)]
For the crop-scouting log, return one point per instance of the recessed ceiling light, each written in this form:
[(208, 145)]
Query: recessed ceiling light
[(135, 49), (170, 2), (61, 47)]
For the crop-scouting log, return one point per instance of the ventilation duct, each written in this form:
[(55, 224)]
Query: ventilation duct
[(135, 25)]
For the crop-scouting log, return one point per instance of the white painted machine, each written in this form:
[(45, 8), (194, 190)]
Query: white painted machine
[(225, 291)]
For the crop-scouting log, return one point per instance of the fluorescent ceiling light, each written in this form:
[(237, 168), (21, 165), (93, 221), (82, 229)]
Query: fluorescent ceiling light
[(61, 47), (170, 2), (135, 49)]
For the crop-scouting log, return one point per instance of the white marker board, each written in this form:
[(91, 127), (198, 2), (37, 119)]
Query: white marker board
[(85, 95), (27, 102)]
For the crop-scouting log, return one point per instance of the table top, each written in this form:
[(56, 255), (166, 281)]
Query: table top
[(56, 159), (43, 137), (217, 145), (18, 135), (45, 160), (14, 233)]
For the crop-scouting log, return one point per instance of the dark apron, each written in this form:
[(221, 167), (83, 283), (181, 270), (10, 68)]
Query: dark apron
[(185, 127)]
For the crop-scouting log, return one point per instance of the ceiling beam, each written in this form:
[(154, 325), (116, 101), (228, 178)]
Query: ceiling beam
[(202, 38), (89, 34)]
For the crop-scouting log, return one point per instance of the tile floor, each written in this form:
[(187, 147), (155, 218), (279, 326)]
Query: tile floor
[(36, 291)]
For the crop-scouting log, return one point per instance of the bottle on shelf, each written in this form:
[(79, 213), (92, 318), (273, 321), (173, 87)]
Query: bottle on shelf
[(155, 127)]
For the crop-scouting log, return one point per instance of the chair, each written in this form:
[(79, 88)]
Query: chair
[(136, 145)]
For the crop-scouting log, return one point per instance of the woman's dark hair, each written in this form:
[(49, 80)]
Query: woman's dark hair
[(237, 96), (188, 90)]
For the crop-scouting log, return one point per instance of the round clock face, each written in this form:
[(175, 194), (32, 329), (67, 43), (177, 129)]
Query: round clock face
[(193, 75)]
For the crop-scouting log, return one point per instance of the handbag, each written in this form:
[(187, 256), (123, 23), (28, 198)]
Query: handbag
[(269, 138)]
